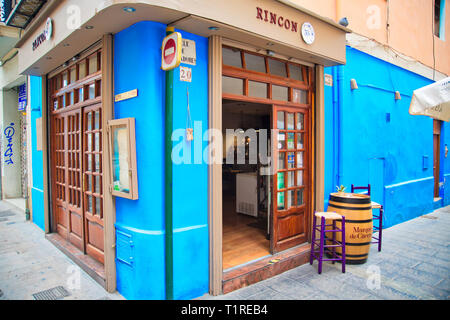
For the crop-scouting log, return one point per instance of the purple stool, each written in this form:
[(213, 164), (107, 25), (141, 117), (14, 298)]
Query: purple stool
[(322, 246)]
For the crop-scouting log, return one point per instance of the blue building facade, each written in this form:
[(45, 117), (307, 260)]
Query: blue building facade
[(370, 138)]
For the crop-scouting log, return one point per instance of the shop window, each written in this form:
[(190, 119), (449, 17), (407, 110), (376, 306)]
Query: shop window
[(295, 72), (232, 57), (255, 63), (232, 85), (122, 141), (280, 93), (257, 89), (278, 68)]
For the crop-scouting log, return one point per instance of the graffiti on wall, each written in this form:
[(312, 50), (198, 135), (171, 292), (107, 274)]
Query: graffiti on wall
[(9, 135)]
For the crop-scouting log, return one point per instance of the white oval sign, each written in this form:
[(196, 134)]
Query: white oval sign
[(308, 33)]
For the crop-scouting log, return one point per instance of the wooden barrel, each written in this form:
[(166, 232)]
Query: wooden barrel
[(357, 210)]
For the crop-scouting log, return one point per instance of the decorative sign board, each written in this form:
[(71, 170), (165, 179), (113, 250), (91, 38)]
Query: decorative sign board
[(188, 52), (22, 97), (171, 51), (126, 95), (308, 33), (328, 80)]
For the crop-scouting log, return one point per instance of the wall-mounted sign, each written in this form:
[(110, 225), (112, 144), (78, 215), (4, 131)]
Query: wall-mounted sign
[(328, 80), (46, 35), (306, 31), (5, 10), (22, 97), (126, 95), (185, 74), (9, 135), (171, 51), (188, 52)]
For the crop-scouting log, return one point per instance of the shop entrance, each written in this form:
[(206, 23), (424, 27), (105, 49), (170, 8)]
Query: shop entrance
[(76, 155), (265, 205)]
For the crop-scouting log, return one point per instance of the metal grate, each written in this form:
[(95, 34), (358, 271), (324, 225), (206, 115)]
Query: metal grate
[(52, 294), (4, 214)]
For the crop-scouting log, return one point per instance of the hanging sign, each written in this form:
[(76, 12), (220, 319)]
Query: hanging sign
[(5, 10), (23, 97), (188, 52), (171, 51)]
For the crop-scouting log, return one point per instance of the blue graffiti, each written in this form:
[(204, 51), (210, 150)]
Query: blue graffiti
[(9, 134)]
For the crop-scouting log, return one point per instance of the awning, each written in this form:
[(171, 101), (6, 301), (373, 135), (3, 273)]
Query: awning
[(432, 100)]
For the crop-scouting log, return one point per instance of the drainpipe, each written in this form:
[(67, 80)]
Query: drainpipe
[(340, 122), (168, 180), (335, 128)]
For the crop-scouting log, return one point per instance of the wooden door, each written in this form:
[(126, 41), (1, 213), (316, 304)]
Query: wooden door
[(436, 155), (93, 181), (67, 177), (290, 181)]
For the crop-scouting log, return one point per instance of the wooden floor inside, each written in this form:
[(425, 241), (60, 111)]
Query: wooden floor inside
[(243, 241)]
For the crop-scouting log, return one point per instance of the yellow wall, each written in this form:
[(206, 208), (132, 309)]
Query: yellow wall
[(410, 29)]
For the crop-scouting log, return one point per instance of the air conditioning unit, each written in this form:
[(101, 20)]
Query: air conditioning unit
[(247, 194)]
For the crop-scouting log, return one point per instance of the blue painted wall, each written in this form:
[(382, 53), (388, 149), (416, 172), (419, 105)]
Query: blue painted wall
[(140, 223), (37, 193), (371, 138)]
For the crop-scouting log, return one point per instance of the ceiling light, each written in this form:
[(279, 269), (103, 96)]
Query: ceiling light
[(66, 45), (89, 27), (129, 9), (270, 53), (213, 28), (270, 44)]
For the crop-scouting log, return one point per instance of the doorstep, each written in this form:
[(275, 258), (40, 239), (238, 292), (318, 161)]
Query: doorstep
[(92, 267), (265, 268)]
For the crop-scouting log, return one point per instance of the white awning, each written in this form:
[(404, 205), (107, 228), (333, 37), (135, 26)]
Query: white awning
[(432, 100)]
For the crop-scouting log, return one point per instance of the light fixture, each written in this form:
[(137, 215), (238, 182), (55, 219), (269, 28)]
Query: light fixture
[(343, 22), (65, 45), (89, 27), (398, 96), (353, 84), (212, 28), (129, 9), (270, 53), (75, 58), (270, 44), (48, 58)]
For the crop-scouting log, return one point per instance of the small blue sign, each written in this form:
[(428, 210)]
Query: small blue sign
[(291, 158), (23, 97)]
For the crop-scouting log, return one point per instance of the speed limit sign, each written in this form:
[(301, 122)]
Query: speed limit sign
[(171, 51)]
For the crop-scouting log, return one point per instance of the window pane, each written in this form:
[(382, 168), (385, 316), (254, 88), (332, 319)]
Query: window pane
[(290, 121), (280, 181), (280, 93), (290, 141), (299, 96), (281, 158), (281, 141), (290, 198), (65, 79), (257, 89), (280, 120), (255, 63), (291, 176), (93, 66), (299, 197), (81, 95), (97, 206), (232, 85), (299, 141), (277, 68), (92, 91), (291, 160), (299, 178), (280, 201), (300, 121), (82, 69), (232, 57), (73, 75), (295, 72), (299, 159)]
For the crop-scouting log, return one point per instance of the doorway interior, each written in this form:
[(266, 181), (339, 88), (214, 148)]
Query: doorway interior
[(245, 184)]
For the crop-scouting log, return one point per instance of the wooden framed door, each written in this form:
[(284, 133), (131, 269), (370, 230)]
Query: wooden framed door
[(291, 178), (93, 181)]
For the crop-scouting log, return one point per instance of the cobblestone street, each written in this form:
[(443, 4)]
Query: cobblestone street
[(414, 264)]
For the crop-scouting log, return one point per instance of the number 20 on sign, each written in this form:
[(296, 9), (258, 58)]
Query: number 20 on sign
[(171, 51)]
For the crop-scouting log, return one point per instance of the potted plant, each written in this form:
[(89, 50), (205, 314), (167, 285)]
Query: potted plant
[(340, 189)]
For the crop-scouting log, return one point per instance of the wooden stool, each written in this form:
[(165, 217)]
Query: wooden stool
[(323, 216)]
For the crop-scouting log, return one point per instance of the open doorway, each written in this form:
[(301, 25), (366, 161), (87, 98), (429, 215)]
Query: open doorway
[(246, 182)]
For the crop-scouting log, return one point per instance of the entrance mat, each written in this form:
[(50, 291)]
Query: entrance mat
[(52, 294)]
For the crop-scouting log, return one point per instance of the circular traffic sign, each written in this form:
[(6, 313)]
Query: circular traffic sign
[(169, 51)]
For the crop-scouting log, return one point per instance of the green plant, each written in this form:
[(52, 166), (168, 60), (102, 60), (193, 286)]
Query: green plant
[(340, 189)]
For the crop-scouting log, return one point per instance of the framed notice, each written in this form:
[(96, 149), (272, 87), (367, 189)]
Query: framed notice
[(122, 139)]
